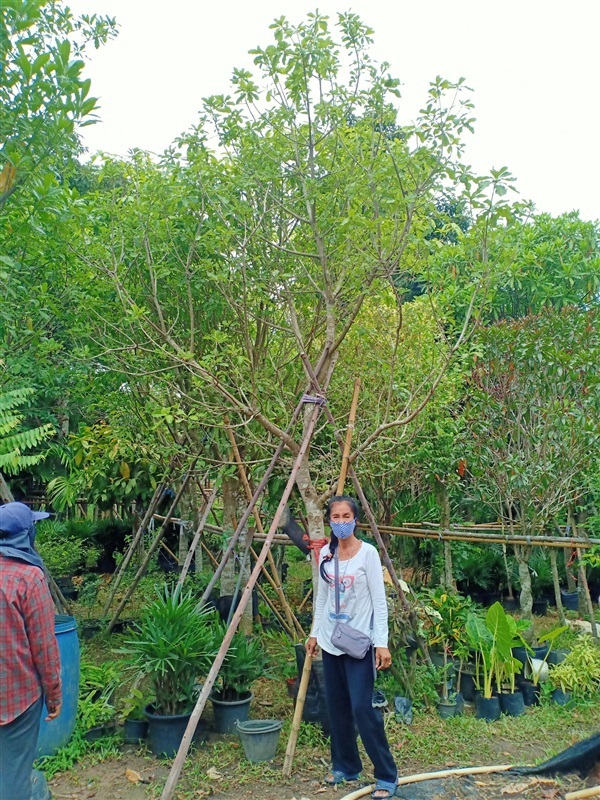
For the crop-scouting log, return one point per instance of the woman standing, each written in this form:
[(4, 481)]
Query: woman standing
[(349, 681)]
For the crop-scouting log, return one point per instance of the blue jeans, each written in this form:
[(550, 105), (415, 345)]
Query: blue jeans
[(349, 687), (18, 744)]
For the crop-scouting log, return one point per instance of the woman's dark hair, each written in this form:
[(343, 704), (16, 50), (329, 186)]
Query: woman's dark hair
[(333, 542)]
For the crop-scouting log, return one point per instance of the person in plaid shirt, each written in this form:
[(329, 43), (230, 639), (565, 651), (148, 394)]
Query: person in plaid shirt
[(29, 658)]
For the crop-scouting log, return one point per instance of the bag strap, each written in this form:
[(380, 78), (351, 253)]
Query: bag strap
[(336, 566)]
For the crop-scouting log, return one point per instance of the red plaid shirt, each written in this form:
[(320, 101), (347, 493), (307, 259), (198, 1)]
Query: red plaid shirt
[(29, 659)]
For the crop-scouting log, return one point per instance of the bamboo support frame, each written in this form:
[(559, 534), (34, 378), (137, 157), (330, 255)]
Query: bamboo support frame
[(376, 532), (157, 540), (134, 543), (198, 533), (302, 689), (177, 766), (293, 623), (593, 791)]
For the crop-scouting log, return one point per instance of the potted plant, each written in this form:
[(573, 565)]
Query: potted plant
[(135, 723), (62, 554), (538, 667), (172, 643), (95, 715), (492, 639), (446, 630), (244, 663), (88, 594), (511, 699), (578, 674)]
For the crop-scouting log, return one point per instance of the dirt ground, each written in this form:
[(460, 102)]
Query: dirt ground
[(135, 776)]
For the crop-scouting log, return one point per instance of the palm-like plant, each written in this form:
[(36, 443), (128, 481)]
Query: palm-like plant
[(174, 644)]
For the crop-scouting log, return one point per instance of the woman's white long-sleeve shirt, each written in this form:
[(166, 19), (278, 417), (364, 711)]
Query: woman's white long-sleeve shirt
[(362, 599)]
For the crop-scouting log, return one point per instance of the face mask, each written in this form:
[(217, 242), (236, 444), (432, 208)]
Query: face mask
[(343, 530)]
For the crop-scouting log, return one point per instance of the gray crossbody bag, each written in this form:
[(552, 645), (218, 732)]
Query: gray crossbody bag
[(346, 638)]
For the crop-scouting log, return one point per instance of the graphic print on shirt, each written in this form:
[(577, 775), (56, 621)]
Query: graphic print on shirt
[(347, 599)]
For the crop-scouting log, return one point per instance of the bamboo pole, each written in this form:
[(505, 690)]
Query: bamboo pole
[(291, 745), (197, 535), (593, 791), (263, 594), (152, 548), (429, 776), (586, 593), (483, 538), (289, 614), (177, 766), (375, 529), (246, 515), (134, 543)]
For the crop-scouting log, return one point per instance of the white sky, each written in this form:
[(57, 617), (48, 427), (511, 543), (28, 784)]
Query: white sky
[(534, 66)]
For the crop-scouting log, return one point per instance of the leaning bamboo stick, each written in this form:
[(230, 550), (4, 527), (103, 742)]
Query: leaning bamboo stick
[(593, 791), (177, 766), (429, 776), (197, 535), (301, 697), (289, 614), (134, 543), (152, 548)]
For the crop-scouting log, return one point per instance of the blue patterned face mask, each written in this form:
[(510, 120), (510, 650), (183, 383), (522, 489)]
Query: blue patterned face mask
[(343, 530)]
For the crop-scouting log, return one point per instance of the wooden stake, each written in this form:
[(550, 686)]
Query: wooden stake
[(292, 621), (152, 548), (348, 443), (197, 535), (301, 697), (593, 791), (177, 766), (300, 700)]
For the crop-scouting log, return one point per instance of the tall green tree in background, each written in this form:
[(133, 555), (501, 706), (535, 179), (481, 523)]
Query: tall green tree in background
[(533, 411), (45, 98), (295, 204)]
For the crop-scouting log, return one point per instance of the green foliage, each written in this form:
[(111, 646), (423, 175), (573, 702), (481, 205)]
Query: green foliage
[(94, 711), (63, 555), (78, 747), (245, 662), (17, 441), (174, 644), (579, 673)]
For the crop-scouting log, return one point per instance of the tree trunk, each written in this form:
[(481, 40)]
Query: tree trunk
[(556, 583), (442, 497), (233, 508), (314, 512), (522, 555)]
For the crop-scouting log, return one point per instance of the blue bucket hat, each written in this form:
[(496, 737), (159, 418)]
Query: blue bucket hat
[(17, 517)]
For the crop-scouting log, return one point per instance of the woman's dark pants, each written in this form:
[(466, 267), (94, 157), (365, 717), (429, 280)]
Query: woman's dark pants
[(18, 744), (349, 686)]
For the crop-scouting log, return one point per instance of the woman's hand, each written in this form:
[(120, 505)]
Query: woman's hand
[(383, 658), (312, 648)]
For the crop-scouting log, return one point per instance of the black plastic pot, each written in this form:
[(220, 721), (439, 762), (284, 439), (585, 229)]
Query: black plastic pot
[(520, 653), (89, 629), (510, 604), (99, 731), (135, 731), (228, 712), (487, 708), (467, 684), (446, 710), (67, 588), (570, 600), (561, 698), (540, 607), (315, 705), (531, 693), (511, 703), (166, 732), (557, 656)]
